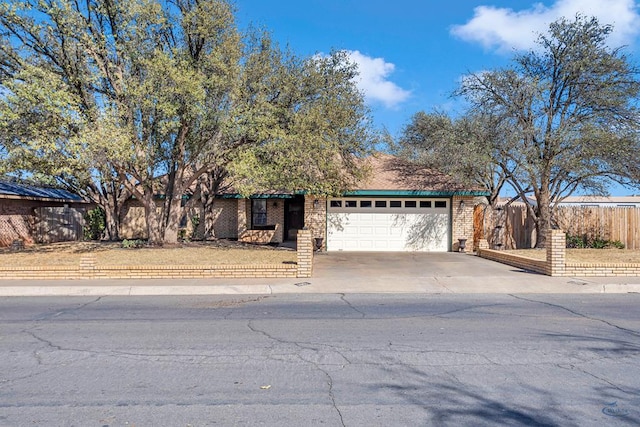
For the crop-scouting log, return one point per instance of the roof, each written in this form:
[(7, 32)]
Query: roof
[(14, 190), (392, 175)]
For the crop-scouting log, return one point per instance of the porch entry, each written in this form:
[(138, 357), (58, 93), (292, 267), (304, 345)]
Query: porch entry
[(293, 217)]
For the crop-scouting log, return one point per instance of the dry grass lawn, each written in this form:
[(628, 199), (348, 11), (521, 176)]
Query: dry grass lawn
[(210, 253), (597, 256)]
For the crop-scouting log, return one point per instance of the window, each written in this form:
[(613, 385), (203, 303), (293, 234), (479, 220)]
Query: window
[(258, 212), (365, 204), (425, 204), (410, 204), (336, 203), (441, 204), (381, 203), (395, 204), (350, 204)]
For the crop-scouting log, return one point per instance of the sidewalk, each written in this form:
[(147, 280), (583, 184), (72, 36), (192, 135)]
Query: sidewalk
[(526, 283), (349, 273)]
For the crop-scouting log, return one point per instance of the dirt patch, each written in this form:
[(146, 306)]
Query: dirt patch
[(220, 252), (584, 256)]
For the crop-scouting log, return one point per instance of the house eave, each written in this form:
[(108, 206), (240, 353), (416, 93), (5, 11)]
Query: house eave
[(414, 193), (41, 199), (256, 196)]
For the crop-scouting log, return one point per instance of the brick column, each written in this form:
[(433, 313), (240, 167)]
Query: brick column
[(305, 253), (556, 252), (462, 218), (315, 217)]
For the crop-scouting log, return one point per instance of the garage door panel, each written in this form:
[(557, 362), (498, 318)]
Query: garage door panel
[(388, 232)]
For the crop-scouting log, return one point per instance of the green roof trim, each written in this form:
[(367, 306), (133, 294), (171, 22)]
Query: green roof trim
[(414, 193), (367, 193), (256, 196)]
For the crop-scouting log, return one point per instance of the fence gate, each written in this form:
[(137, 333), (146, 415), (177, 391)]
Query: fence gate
[(58, 224)]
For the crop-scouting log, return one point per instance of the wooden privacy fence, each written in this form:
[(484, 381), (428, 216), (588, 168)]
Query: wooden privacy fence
[(58, 224), (511, 227)]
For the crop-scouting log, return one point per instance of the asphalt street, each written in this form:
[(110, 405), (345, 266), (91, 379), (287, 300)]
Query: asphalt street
[(333, 360)]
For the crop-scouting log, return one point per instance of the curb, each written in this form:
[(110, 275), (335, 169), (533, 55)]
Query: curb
[(620, 288), (148, 290), (265, 289)]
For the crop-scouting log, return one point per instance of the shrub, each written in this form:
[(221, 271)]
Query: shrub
[(584, 242), (575, 242), (132, 244)]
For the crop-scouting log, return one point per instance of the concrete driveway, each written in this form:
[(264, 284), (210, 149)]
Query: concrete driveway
[(428, 272), (407, 264)]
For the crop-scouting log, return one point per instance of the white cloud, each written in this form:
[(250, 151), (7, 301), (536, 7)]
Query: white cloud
[(506, 29), (373, 80)]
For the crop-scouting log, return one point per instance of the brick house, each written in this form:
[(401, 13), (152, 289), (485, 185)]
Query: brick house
[(32, 214), (399, 208)]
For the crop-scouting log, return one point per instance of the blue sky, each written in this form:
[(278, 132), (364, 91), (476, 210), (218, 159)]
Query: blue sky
[(412, 53)]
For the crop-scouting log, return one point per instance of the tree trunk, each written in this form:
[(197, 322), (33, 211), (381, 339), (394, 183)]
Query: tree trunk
[(209, 217), (112, 224), (543, 220), (154, 232), (173, 217)]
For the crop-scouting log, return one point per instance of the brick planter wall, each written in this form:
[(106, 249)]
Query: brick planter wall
[(88, 269), (556, 263), (524, 263)]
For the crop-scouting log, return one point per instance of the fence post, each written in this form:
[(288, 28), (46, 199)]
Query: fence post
[(556, 252), (304, 253)]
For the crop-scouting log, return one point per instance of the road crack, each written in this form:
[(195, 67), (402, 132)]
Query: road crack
[(316, 349), (67, 310), (575, 313), (343, 297), (604, 380)]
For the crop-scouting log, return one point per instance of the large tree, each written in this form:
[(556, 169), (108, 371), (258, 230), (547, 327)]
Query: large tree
[(464, 147), (149, 97), (567, 114)]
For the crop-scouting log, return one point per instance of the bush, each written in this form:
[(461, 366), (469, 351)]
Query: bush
[(584, 242), (94, 224), (575, 242), (132, 244)]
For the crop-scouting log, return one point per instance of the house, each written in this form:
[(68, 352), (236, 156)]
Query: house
[(31, 214), (399, 208)]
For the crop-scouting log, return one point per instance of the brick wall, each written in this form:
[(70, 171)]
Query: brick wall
[(225, 215), (88, 269), (16, 221), (556, 252), (149, 272), (305, 253), (602, 270), (133, 224), (35, 220), (556, 264), (275, 216), (462, 221), (525, 263)]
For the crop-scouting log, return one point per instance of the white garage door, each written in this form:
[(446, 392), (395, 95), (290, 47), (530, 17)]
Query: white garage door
[(388, 225)]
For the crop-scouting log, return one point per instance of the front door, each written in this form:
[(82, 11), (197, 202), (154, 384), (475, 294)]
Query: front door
[(293, 216)]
